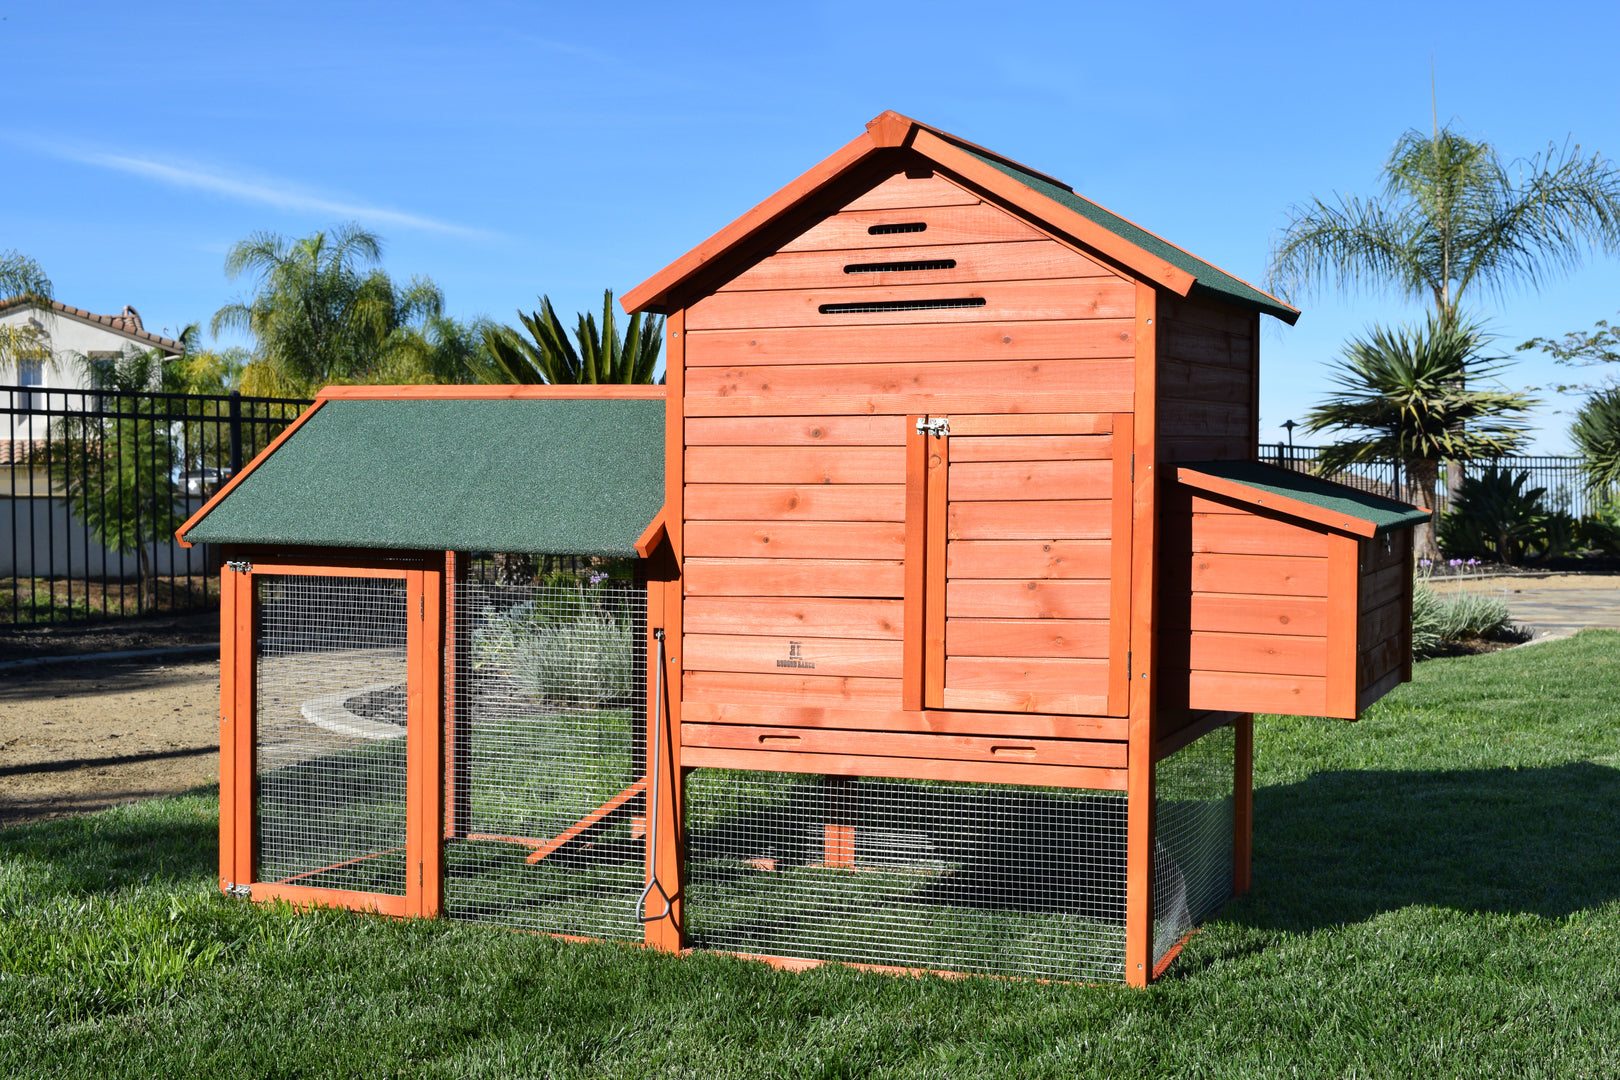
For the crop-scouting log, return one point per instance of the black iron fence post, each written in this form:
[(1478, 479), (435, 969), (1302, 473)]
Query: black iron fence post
[(236, 432)]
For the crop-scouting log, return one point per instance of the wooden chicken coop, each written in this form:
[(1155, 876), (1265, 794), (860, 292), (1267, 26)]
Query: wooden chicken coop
[(964, 575)]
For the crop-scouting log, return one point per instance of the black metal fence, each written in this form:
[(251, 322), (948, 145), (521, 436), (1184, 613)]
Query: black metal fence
[(93, 484), (1559, 476)]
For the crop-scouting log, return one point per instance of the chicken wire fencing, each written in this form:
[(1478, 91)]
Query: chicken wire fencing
[(947, 876), (329, 732), (1192, 837), (545, 762)]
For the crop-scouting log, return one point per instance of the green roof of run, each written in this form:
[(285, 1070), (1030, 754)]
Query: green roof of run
[(548, 476), (1383, 514), (1210, 279)]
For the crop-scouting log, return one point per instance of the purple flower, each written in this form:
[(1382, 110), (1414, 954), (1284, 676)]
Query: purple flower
[(1425, 563), (598, 577)]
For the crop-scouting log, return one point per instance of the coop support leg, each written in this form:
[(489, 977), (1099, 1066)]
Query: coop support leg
[(1242, 803), (659, 905)]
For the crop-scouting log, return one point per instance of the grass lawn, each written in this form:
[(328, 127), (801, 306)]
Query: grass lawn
[(1437, 893)]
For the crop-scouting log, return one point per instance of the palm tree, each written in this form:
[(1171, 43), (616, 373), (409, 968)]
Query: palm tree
[(1403, 395), (547, 356), (1451, 216), (21, 276), (1596, 434), (317, 316)]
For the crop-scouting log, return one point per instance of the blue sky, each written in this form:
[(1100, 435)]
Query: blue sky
[(511, 149)]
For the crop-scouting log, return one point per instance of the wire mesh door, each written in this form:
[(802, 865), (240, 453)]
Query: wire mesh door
[(1192, 843), (331, 676), (546, 776)]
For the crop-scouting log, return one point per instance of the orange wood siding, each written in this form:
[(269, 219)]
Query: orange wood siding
[(795, 531), (1206, 373), (1246, 609)]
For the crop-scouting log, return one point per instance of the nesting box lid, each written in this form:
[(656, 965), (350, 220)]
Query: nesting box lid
[(1302, 495), (543, 470)]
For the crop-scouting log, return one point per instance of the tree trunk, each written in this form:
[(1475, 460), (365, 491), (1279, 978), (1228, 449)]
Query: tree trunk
[(1421, 477)]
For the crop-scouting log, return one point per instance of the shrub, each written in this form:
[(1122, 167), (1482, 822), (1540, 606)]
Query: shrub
[(1496, 517), (565, 646), (1600, 529), (1442, 621)]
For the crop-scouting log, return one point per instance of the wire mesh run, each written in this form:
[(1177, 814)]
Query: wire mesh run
[(1192, 837), (992, 880), (329, 732), (546, 772)]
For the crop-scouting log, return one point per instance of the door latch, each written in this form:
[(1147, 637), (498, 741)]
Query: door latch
[(937, 426)]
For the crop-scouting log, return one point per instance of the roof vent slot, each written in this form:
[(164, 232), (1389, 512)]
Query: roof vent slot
[(901, 305), (892, 267), (898, 227)]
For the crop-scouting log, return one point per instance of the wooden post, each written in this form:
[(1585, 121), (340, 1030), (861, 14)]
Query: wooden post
[(429, 733), (938, 451), (1242, 803), (838, 822), (246, 720), (1144, 573), (229, 723), (665, 816)]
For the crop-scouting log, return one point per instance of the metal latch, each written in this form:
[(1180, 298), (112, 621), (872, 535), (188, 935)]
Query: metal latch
[(241, 892), (241, 566), (937, 426)]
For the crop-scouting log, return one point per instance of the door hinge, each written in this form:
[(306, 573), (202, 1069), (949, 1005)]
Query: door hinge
[(1129, 671), (937, 426), (1133, 468), (421, 608), (240, 566), (241, 892)]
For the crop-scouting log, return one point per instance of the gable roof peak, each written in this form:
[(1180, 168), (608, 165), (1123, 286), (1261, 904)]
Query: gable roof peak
[(1052, 203)]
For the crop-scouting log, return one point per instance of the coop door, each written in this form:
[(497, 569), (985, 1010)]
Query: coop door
[(339, 734), (1026, 581)]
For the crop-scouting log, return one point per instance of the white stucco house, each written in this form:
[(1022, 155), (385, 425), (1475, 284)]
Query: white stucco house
[(63, 334), (44, 343)]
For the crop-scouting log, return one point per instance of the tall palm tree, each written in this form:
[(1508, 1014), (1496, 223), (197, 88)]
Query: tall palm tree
[(318, 316), (1451, 217), (1403, 395), (595, 356)]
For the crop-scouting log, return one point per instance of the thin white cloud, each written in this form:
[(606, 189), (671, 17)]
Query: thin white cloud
[(266, 191)]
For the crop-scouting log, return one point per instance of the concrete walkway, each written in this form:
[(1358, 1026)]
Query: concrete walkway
[(1552, 605)]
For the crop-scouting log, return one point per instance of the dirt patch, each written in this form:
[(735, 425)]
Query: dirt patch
[(107, 635), (82, 736)]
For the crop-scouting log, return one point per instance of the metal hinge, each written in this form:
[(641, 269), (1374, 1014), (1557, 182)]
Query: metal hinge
[(937, 426), (241, 892), (1129, 671), (241, 566), (1133, 468)]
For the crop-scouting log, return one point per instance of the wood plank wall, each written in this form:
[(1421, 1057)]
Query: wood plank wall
[(1246, 596), (796, 416), (1207, 377), (1384, 644)]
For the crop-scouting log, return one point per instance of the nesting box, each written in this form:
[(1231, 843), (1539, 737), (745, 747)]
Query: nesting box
[(964, 580)]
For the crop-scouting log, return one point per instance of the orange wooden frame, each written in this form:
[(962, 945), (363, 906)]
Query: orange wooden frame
[(424, 576)]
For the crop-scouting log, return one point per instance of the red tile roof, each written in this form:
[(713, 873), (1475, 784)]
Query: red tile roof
[(126, 322)]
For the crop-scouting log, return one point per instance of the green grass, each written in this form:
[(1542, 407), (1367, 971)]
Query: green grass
[(1437, 893)]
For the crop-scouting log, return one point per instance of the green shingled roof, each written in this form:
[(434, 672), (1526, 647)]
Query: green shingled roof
[(1211, 280), (1383, 514), (548, 476)]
